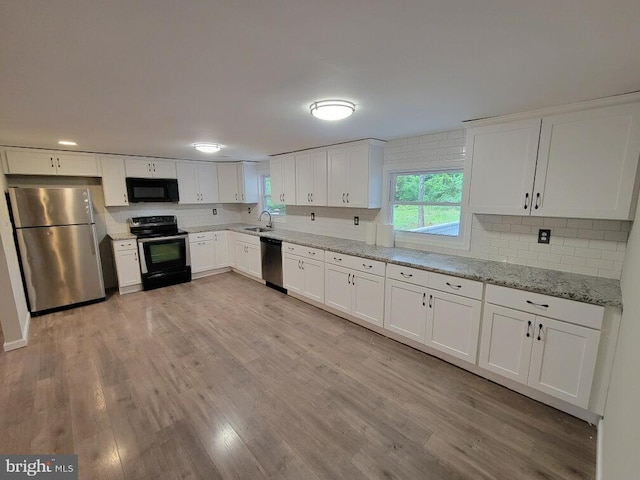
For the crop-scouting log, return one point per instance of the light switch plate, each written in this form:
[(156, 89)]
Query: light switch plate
[(313, 217), (544, 236), (356, 220), (215, 211)]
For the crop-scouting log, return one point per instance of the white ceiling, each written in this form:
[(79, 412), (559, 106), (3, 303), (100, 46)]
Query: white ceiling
[(151, 77)]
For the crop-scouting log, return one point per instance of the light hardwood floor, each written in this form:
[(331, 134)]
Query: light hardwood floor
[(226, 378)]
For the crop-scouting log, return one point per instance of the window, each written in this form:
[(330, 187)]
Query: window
[(427, 202), (267, 204)]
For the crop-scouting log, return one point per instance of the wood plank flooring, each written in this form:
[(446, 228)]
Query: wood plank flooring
[(223, 378)]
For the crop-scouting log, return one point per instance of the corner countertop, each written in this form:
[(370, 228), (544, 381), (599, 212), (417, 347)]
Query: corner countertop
[(572, 286)]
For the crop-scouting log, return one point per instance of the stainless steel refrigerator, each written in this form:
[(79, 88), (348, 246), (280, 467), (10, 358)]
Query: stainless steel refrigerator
[(56, 236)]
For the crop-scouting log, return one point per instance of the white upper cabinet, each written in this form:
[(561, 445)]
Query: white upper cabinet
[(282, 170), (150, 168), (355, 175), (197, 182), (237, 183), (587, 163), (311, 177), (504, 165), (38, 162), (114, 184), (580, 164)]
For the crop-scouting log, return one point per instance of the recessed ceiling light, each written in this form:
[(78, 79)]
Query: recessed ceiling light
[(332, 109), (207, 147), (68, 142)]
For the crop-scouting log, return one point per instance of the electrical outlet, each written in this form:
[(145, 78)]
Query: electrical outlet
[(544, 236), (249, 209), (313, 217), (356, 220), (215, 211)]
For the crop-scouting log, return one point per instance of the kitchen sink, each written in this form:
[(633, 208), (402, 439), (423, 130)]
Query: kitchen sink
[(259, 229)]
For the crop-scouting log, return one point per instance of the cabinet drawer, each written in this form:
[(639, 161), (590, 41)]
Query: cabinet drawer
[(338, 259), (121, 245), (408, 274), (308, 252), (545, 305), (250, 239), (457, 285), (374, 267), (200, 237)]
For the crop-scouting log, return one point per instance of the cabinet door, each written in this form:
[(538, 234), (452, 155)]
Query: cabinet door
[(127, 268), (292, 274), (228, 183), (76, 164), (502, 161), (358, 177), (241, 256), (588, 162), (368, 299), (277, 183), (319, 190), (203, 256), (30, 163), (163, 168), (208, 182), (254, 260), (453, 325), (247, 182), (304, 178), (221, 243), (289, 180), (313, 272), (113, 182), (138, 167), (337, 288), (338, 177), (188, 182), (563, 360), (405, 309), (506, 340)]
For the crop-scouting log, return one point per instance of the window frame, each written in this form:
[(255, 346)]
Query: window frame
[(422, 240)]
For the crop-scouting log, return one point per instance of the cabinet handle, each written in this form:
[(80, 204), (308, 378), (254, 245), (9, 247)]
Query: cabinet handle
[(149, 166), (283, 198), (58, 162), (347, 198), (236, 196), (343, 198), (302, 264), (311, 197), (337, 259), (52, 165), (540, 332), (135, 256), (537, 201), (349, 279), (526, 201), (311, 253), (457, 287), (154, 167), (368, 267), (406, 275), (430, 301), (353, 279), (543, 305), (308, 198), (125, 197), (424, 299), (528, 328), (291, 248)]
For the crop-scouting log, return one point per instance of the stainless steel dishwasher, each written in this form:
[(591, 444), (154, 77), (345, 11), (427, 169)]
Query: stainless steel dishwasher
[(271, 250)]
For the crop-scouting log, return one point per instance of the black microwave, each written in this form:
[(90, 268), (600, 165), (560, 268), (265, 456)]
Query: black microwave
[(152, 190)]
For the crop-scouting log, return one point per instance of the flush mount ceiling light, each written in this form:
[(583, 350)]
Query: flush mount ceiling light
[(70, 143), (332, 109), (207, 147)]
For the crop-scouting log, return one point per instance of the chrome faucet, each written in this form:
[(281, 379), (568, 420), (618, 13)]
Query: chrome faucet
[(270, 222)]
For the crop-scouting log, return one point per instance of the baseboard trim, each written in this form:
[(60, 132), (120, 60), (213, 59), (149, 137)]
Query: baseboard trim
[(600, 450), (21, 342)]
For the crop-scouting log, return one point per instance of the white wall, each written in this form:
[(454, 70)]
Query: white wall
[(621, 424)]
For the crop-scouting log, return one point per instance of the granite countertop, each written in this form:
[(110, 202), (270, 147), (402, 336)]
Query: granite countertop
[(572, 286), (121, 236)]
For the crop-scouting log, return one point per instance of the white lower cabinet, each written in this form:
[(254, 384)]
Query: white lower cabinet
[(406, 309), (247, 255), (553, 356), (221, 246), (354, 292), (303, 276), (125, 254), (202, 251)]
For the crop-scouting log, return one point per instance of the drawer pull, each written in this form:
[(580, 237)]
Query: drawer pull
[(349, 279), (368, 267), (337, 259), (526, 201), (528, 328), (430, 301), (424, 299), (406, 275), (540, 332), (312, 253), (291, 248), (454, 286), (543, 305)]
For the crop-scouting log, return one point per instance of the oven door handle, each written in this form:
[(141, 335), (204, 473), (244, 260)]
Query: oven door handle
[(162, 239)]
